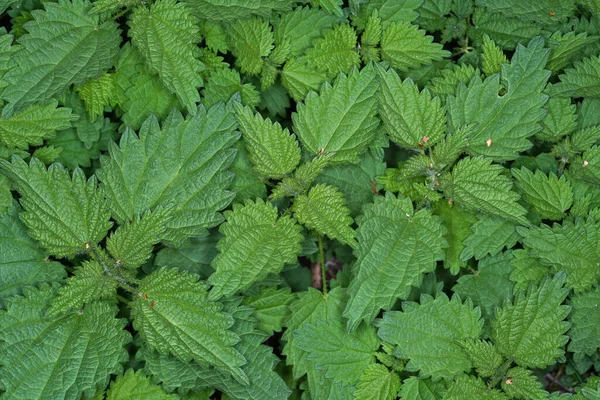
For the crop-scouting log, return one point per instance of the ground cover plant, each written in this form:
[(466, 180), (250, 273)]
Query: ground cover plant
[(271, 199)]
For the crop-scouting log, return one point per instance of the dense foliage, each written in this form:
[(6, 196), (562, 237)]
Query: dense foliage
[(271, 199)]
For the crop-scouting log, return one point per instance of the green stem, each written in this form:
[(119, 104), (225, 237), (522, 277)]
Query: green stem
[(119, 280), (322, 261)]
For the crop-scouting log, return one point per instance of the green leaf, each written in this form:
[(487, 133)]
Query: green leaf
[(414, 388), (324, 210), (196, 258), (335, 52), (530, 330), (271, 308), (256, 242), (301, 27), (343, 356), (411, 118), (174, 316), (273, 150), (428, 335), (184, 164), (292, 186), (546, 12), (166, 35), (522, 384), (377, 383), (132, 244), (135, 385), (393, 240), (22, 263), (472, 388), (138, 92), (584, 333), (490, 235), (231, 10), (250, 41), (226, 82), (65, 45), (88, 283), (560, 120), (299, 78), (565, 48), (388, 10), (527, 270), (573, 248), (33, 124), (406, 47), (548, 195), (506, 32), (97, 94), (246, 184), (66, 215), (581, 81), (504, 123), (62, 357), (457, 223), (490, 286), (341, 119), (479, 185), (356, 181), (492, 57), (484, 356), (447, 80), (264, 382)]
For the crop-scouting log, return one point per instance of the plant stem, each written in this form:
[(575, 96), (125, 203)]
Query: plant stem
[(322, 262)]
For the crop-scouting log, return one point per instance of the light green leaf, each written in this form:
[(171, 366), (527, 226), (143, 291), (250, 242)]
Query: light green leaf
[(324, 210), (335, 52), (97, 94), (301, 27), (341, 119), (522, 384), (457, 223), (166, 35), (428, 335), (377, 383), (226, 82), (527, 270), (484, 356), (65, 214), (231, 10), (247, 184), (343, 356), (565, 48), (174, 316), (472, 388), (273, 150), (530, 330), (559, 121), (250, 40), (65, 45), (132, 244), (23, 262), (492, 57), (414, 388), (271, 308), (35, 123), (62, 357), (89, 283), (548, 195), (532, 11), (504, 123), (393, 240), (506, 32), (256, 242), (299, 78), (132, 386), (573, 248), (412, 119), (406, 47), (489, 236), (184, 164), (479, 185)]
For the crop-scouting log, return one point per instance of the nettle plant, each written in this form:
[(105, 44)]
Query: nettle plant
[(266, 199)]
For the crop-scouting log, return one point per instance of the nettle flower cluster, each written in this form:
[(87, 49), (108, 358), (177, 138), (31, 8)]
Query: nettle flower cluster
[(270, 199)]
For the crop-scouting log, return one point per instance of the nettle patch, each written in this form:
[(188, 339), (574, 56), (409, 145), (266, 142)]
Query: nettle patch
[(271, 199)]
